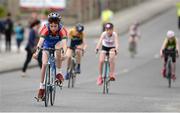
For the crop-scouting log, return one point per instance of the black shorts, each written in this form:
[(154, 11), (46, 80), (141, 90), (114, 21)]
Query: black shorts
[(134, 36), (173, 56), (72, 43), (107, 49)]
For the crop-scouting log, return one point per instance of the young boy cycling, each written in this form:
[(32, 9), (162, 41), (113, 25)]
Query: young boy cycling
[(75, 42), (52, 34), (170, 43), (109, 43)]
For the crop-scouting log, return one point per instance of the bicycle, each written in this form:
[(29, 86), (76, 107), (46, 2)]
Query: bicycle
[(106, 68), (132, 49), (106, 79), (50, 77), (71, 71), (168, 67)]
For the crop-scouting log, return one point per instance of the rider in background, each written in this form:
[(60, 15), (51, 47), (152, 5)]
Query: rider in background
[(134, 33), (178, 13), (109, 43), (170, 43), (106, 16), (52, 34), (75, 41)]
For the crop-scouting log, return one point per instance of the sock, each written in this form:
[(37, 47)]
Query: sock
[(41, 85), (59, 70)]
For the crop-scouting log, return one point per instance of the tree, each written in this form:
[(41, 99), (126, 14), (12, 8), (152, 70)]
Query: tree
[(2, 11)]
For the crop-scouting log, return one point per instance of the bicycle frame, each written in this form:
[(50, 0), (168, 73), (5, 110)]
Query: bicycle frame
[(106, 79), (169, 64), (50, 76)]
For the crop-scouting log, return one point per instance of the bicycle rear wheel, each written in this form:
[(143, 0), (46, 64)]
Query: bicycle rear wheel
[(73, 75), (73, 80), (47, 84), (104, 84), (53, 86), (105, 79), (169, 81), (169, 74)]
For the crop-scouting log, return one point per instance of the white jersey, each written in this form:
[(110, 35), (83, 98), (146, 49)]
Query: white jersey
[(133, 31), (108, 41)]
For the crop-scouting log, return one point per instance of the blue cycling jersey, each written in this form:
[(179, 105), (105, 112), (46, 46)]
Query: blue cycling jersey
[(50, 41)]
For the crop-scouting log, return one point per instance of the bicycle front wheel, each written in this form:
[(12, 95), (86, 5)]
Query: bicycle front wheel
[(70, 79), (53, 86), (105, 78), (71, 74), (47, 84), (73, 79), (169, 74)]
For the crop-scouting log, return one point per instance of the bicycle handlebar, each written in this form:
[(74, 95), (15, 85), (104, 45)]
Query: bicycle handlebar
[(51, 49), (107, 52), (170, 52)]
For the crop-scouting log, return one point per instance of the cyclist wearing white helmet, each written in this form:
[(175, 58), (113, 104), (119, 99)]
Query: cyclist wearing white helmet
[(108, 42), (51, 36), (170, 43)]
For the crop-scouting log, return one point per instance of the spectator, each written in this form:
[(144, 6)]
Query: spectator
[(1, 31), (8, 31), (19, 31), (106, 17), (32, 41), (33, 18)]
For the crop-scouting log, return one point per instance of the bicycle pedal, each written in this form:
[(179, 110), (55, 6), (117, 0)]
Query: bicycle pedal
[(56, 82), (38, 99), (43, 98), (60, 85)]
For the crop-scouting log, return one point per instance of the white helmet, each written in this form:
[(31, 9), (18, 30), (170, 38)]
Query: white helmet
[(170, 34)]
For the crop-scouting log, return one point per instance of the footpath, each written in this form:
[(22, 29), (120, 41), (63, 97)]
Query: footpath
[(143, 12)]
